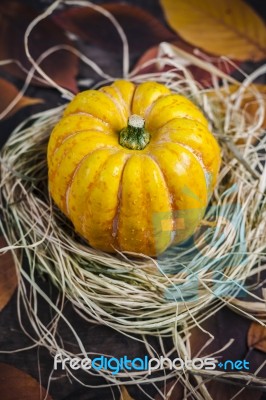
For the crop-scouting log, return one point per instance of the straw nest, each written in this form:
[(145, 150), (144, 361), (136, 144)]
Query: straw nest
[(131, 292)]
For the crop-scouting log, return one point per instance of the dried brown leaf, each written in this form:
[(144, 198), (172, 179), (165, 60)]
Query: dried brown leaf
[(61, 66), (142, 29), (9, 92), (229, 28), (17, 385), (124, 394), (257, 337), (8, 276)]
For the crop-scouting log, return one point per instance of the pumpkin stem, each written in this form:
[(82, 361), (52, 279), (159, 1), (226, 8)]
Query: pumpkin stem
[(134, 136)]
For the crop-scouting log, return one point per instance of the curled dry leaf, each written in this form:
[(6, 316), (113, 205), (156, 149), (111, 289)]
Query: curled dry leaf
[(124, 394), (257, 336), (141, 28), (61, 66), (17, 385), (9, 92), (8, 276), (228, 28)]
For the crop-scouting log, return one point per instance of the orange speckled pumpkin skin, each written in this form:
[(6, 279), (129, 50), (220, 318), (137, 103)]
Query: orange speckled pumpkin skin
[(132, 200)]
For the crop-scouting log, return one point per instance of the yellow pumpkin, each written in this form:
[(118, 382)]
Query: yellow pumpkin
[(132, 166)]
